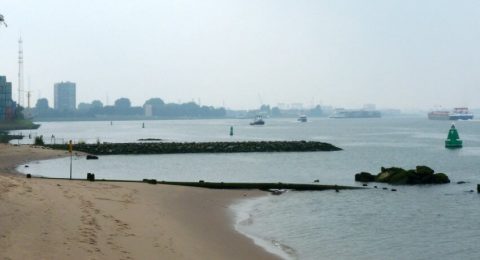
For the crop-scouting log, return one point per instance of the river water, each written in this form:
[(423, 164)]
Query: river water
[(415, 222)]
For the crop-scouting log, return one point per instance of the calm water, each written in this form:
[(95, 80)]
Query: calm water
[(422, 222)]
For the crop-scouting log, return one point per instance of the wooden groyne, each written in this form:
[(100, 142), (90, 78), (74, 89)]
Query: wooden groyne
[(228, 185), (258, 185), (199, 147)]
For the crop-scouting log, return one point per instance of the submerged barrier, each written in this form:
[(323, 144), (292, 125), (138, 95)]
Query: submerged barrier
[(200, 147)]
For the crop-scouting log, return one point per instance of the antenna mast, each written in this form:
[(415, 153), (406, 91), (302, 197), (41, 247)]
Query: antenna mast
[(29, 93), (20, 72)]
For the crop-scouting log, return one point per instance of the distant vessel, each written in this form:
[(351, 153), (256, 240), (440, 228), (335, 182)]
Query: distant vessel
[(453, 140), (258, 121), (439, 115), (458, 113), (355, 113), (302, 118)]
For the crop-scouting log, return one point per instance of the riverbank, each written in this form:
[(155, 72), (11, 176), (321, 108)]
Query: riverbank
[(57, 219), (19, 124)]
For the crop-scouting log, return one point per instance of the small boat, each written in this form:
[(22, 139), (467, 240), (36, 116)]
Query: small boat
[(258, 121), (302, 118), (453, 140)]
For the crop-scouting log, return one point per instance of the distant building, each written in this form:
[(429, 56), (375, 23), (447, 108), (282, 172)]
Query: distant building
[(7, 106), (298, 106), (65, 97), (148, 110), (284, 106)]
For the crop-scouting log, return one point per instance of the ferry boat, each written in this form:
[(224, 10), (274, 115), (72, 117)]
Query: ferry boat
[(258, 121), (302, 118), (355, 113), (458, 113), (461, 113)]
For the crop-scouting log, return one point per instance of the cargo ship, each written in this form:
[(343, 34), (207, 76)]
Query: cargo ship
[(439, 115), (355, 113), (458, 113)]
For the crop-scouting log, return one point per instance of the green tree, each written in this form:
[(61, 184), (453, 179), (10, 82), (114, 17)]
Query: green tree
[(122, 104), (97, 104), (42, 104)]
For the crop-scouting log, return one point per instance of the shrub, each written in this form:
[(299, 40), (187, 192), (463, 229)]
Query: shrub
[(39, 140)]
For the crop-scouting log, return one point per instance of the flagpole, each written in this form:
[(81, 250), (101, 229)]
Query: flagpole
[(70, 149)]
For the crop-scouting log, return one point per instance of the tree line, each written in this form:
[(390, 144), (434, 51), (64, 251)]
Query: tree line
[(122, 107)]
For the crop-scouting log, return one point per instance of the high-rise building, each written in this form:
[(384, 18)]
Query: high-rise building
[(7, 106), (65, 96)]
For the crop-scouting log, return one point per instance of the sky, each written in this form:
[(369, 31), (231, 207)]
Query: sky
[(405, 54)]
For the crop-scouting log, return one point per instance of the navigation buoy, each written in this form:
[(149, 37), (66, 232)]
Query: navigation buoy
[(231, 130), (143, 125), (453, 140)]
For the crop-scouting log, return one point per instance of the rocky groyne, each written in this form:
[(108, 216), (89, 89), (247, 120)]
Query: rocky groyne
[(199, 147), (395, 175)]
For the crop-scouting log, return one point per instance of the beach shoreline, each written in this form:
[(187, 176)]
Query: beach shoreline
[(56, 219)]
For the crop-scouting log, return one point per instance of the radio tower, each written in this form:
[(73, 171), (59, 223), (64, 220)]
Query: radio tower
[(20, 72)]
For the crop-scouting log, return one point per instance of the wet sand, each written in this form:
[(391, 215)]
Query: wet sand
[(59, 219)]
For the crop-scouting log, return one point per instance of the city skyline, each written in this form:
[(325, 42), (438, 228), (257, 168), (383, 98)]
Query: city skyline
[(400, 54)]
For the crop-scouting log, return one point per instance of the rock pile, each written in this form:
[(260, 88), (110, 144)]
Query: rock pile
[(395, 175)]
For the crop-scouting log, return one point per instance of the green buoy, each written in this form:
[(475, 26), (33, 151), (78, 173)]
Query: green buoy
[(453, 140), (231, 130)]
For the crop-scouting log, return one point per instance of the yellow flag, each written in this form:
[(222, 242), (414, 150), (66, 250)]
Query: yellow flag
[(70, 146)]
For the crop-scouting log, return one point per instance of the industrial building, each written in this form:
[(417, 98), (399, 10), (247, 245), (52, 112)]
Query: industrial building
[(7, 105)]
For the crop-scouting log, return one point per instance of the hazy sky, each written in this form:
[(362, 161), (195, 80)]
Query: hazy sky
[(402, 53)]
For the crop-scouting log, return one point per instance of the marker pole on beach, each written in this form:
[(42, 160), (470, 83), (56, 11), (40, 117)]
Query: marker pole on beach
[(70, 150)]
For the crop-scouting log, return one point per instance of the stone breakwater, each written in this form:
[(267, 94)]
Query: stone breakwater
[(200, 147)]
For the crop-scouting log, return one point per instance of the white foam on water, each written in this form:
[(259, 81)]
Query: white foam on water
[(244, 220)]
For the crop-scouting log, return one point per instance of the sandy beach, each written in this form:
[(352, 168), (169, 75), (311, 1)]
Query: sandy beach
[(60, 219)]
